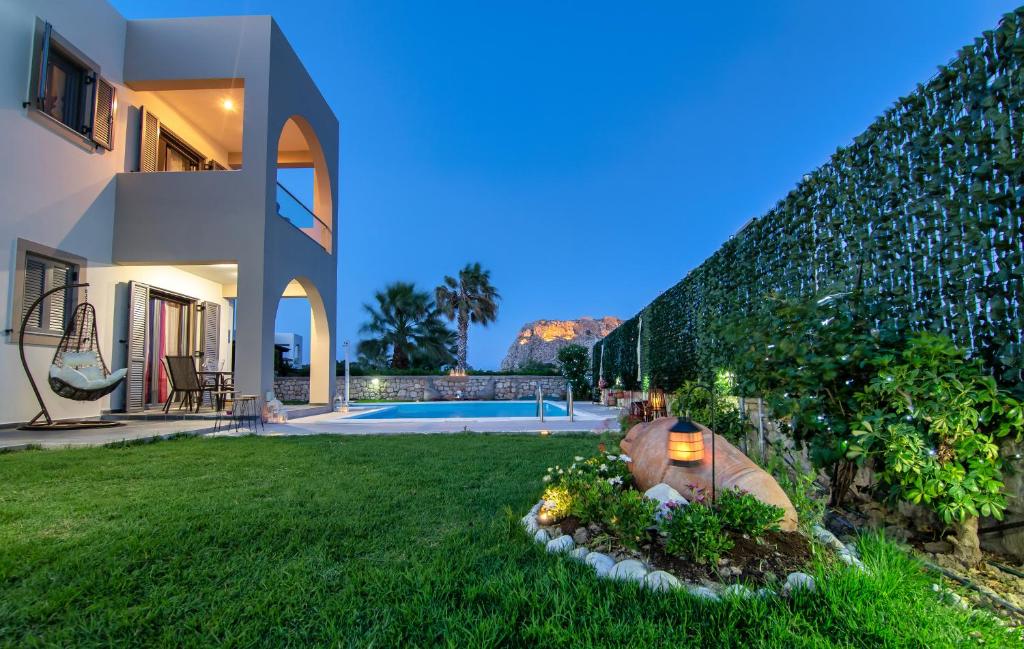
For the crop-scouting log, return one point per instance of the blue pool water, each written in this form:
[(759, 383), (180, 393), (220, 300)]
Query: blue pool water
[(463, 410)]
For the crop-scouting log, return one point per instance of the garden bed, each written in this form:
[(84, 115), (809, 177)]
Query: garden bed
[(592, 510)]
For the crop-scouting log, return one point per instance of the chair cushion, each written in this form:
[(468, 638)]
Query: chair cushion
[(80, 360), (82, 381)]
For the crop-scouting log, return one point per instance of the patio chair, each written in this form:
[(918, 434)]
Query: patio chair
[(185, 381)]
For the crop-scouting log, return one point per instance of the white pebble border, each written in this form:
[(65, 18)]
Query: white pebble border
[(661, 581)]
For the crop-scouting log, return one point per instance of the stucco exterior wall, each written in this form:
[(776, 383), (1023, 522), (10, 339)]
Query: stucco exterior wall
[(136, 226)]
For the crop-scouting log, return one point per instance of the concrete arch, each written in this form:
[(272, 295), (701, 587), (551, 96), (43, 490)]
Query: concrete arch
[(299, 147), (321, 347)]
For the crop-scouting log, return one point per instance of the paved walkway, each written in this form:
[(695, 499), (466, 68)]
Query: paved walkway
[(600, 419)]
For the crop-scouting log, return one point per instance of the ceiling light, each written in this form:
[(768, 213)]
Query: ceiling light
[(228, 104)]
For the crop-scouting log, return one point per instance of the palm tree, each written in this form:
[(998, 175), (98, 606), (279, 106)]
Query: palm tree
[(405, 330), (471, 298)]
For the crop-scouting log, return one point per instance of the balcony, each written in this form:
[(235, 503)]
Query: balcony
[(293, 210)]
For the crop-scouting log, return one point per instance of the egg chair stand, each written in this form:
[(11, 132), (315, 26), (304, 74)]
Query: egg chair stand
[(80, 339)]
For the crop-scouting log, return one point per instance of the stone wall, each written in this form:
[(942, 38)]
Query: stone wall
[(429, 388)]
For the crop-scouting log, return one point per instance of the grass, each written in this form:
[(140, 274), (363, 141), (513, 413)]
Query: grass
[(378, 542)]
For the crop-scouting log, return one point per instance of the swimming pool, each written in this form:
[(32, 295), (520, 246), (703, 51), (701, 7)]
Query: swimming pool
[(463, 410)]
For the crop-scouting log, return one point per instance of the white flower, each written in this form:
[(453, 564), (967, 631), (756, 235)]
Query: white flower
[(611, 458), (603, 468), (560, 472), (550, 469), (625, 458), (578, 458), (547, 478), (615, 481)]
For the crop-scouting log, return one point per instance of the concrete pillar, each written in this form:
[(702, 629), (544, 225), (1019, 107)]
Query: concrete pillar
[(254, 335)]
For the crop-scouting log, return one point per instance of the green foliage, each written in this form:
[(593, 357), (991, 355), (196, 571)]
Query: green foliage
[(538, 368), (922, 210), (556, 501), (744, 513), (264, 542), (468, 299), (696, 531), (628, 516), (404, 330), (808, 359), (931, 418), (802, 488), (575, 362), (693, 400)]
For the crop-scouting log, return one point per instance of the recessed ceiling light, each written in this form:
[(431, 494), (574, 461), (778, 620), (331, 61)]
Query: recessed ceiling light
[(228, 104)]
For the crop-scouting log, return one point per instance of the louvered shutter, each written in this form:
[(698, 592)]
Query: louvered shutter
[(35, 285), (138, 328), (211, 336), (57, 309), (149, 141), (105, 100), (44, 56)]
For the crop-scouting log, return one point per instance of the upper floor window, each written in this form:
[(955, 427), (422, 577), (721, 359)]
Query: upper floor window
[(66, 86)]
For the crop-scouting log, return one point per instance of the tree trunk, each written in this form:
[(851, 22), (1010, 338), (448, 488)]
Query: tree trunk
[(463, 338), (967, 546), (843, 474), (399, 360)]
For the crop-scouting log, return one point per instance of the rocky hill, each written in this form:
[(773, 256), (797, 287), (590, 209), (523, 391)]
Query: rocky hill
[(540, 340)]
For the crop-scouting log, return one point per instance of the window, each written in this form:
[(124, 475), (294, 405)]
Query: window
[(161, 150), (67, 88), (40, 269), (175, 154)]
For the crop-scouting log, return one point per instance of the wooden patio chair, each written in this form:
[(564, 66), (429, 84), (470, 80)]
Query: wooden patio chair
[(181, 372)]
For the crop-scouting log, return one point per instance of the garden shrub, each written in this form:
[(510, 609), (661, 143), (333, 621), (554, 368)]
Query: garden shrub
[(575, 365), (557, 501), (744, 513), (696, 531), (932, 419), (629, 516)]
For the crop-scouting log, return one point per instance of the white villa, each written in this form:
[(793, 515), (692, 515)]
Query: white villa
[(141, 157)]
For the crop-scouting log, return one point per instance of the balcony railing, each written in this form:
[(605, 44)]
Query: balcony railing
[(291, 208)]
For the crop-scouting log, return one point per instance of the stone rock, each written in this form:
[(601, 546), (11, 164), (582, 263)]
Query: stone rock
[(530, 524), (561, 544), (703, 592), (601, 563), (765, 592), (579, 553), (738, 590), (938, 547), (849, 559), (542, 536), (799, 581), (661, 581), (536, 508), (897, 533), (664, 493), (730, 571), (581, 536), (826, 538), (540, 341), (628, 570)]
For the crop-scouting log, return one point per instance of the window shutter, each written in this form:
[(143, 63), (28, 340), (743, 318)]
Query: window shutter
[(44, 55), (35, 282), (104, 104), (211, 336), (56, 312), (138, 328), (149, 142)]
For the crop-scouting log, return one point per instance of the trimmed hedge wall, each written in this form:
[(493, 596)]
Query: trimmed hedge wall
[(926, 204)]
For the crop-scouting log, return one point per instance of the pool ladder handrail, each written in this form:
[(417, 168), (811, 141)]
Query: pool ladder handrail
[(540, 403), (570, 402)]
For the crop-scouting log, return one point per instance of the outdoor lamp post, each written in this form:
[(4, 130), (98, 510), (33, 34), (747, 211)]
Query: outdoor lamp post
[(685, 443), (686, 440), (345, 405)]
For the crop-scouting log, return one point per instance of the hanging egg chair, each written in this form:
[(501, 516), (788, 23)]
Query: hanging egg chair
[(77, 371)]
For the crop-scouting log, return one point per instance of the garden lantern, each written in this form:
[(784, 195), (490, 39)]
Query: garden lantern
[(657, 402), (685, 443)]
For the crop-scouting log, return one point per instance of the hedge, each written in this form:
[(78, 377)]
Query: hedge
[(925, 205)]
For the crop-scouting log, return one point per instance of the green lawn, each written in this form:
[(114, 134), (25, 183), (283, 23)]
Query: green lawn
[(384, 542)]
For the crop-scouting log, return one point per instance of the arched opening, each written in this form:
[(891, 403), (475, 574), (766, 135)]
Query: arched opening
[(302, 341), (304, 181)]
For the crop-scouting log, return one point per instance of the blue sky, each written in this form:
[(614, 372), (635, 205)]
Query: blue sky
[(588, 154)]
